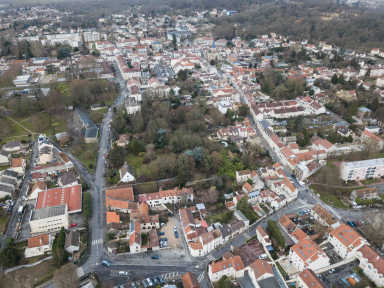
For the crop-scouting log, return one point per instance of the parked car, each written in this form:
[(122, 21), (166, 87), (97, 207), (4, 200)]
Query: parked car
[(156, 257), (161, 233), (123, 273), (73, 225), (176, 234), (105, 263)]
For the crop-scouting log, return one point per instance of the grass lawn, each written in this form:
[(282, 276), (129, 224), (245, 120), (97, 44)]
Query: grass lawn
[(39, 123), (16, 133), (135, 161), (98, 115), (330, 198), (87, 154)]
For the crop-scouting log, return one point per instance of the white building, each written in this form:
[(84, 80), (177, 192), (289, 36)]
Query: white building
[(308, 279), (38, 245), (306, 254), (361, 170), (172, 196), (372, 265), (231, 267), (346, 241), (22, 80), (49, 219)]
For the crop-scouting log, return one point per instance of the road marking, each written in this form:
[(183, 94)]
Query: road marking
[(211, 258), (97, 242), (201, 277)]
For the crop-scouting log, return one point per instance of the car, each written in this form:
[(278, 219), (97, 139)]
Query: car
[(155, 281), (123, 273), (161, 233), (175, 227), (150, 283), (176, 234), (73, 225), (105, 263), (155, 257), (145, 284), (351, 223)]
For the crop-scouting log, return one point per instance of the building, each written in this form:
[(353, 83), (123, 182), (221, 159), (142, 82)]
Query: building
[(189, 280), (120, 198), (125, 175), (308, 279), (261, 274), (112, 217), (345, 240), (70, 196), (323, 216), (231, 267), (368, 193), (263, 237), (85, 126), (4, 160), (38, 245), (306, 254), (72, 242), (36, 189), (372, 264), (171, 196), (22, 80), (361, 170), (49, 219)]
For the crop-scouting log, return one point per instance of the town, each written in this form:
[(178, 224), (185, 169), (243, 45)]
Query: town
[(145, 151)]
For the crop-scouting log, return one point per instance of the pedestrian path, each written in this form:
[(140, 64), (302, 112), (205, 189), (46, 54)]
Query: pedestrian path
[(97, 242)]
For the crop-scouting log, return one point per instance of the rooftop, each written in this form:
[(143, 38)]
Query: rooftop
[(48, 212)]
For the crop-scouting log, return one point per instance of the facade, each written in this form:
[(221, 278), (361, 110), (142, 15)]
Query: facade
[(372, 264), (361, 170), (38, 245), (321, 215), (231, 267), (172, 196), (346, 241), (49, 219), (306, 254)]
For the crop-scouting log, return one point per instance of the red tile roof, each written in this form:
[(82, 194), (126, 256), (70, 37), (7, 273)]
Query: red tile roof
[(72, 196), (310, 279), (38, 241)]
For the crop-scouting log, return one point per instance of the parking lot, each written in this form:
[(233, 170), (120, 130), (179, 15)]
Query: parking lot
[(168, 229), (338, 277)]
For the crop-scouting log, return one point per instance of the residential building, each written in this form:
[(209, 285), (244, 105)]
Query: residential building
[(260, 272), (36, 189), (39, 245), (361, 170), (4, 160), (125, 175), (49, 219), (306, 254), (368, 193), (308, 279), (171, 196), (345, 240), (263, 237), (231, 267), (85, 126), (120, 198), (112, 217), (323, 216), (372, 264)]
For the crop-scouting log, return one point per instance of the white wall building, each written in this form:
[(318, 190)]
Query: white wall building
[(361, 170), (49, 219)]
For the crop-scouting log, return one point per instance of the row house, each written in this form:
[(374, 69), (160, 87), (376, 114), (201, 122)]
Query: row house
[(172, 196)]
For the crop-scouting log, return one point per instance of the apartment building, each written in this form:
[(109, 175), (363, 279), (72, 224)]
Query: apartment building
[(232, 267), (171, 196), (361, 170), (49, 219), (306, 254), (346, 240), (372, 264)]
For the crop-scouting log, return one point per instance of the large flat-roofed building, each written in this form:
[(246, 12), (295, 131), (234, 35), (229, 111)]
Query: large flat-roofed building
[(361, 170), (49, 219)]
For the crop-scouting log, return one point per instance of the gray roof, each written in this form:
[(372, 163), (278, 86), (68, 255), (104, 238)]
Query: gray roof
[(10, 173), (72, 239), (84, 118), (48, 212), (269, 283), (6, 188), (8, 180), (67, 178), (365, 163), (91, 132)]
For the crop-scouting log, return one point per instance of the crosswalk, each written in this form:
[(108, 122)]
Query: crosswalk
[(201, 277), (171, 276), (211, 258), (97, 242)]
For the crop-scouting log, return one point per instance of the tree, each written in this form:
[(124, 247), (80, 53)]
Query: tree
[(10, 256), (247, 210), (116, 157), (64, 52), (274, 232), (58, 251), (335, 79), (182, 75), (87, 205), (66, 276), (243, 110)]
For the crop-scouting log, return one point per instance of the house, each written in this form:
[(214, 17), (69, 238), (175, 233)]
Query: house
[(18, 165), (49, 219), (306, 254), (189, 280), (321, 215), (12, 147), (36, 189), (135, 242), (39, 245), (244, 175), (67, 179), (261, 271), (85, 126), (120, 198), (171, 196), (4, 160), (72, 242), (371, 139), (70, 196), (112, 217), (231, 267), (308, 279), (368, 193), (6, 190), (123, 140), (125, 175), (346, 241), (372, 264), (263, 237)]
